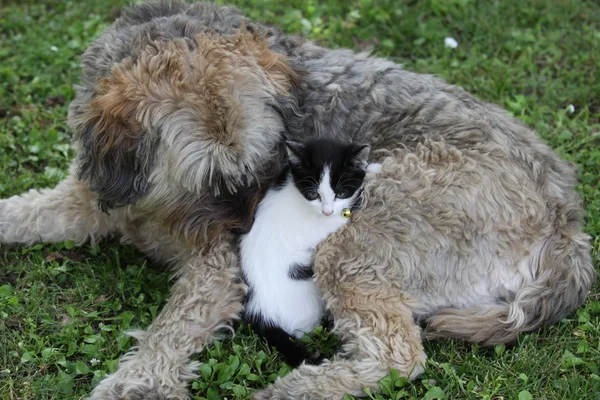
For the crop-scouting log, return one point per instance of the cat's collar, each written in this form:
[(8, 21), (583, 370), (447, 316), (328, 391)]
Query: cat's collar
[(347, 212)]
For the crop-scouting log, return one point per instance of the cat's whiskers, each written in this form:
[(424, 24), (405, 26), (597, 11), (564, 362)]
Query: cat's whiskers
[(342, 184), (343, 174)]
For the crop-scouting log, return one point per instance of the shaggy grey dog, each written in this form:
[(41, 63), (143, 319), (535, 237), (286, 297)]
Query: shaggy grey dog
[(472, 227)]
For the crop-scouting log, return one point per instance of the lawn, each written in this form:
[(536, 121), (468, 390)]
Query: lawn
[(63, 310)]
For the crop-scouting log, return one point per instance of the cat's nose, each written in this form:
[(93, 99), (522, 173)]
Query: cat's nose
[(327, 211)]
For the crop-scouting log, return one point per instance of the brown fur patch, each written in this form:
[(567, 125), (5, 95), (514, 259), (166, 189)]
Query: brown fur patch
[(171, 75), (226, 61), (275, 65), (122, 98)]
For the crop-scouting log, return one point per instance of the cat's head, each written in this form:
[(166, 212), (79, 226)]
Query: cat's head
[(328, 173)]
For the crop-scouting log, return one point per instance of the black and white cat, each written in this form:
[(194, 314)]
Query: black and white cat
[(322, 179)]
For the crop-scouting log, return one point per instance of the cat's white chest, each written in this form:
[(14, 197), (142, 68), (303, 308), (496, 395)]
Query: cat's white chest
[(284, 234)]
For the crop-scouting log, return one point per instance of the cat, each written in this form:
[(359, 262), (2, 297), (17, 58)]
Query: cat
[(310, 200)]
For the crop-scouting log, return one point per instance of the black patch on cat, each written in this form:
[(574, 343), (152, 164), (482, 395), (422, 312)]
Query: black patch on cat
[(301, 272), (292, 350), (347, 163)]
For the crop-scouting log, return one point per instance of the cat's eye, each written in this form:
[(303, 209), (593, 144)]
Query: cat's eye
[(311, 195), (342, 194)]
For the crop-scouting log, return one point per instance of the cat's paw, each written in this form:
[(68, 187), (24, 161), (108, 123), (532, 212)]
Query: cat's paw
[(374, 168)]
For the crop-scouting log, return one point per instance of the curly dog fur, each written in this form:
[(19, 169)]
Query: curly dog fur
[(472, 228)]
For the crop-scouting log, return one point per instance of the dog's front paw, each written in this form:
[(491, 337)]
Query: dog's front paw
[(115, 388), (270, 393), (4, 221), (415, 367), (119, 386)]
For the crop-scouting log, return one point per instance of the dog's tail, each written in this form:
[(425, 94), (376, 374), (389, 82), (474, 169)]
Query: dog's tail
[(563, 274)]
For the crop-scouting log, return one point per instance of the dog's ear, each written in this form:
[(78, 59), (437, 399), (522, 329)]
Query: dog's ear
[(115, 153)]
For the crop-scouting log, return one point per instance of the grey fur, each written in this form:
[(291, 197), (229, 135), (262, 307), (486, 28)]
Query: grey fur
[(376, 101), (472, 226)]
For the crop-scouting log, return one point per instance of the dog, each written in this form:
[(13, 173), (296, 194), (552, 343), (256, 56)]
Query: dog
[(472, 228)]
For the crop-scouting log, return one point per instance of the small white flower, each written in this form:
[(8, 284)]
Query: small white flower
[(570, 108), (53, 48), (450, 42), (94, 361)]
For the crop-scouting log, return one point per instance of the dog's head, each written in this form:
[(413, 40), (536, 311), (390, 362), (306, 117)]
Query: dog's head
[(203, 112)]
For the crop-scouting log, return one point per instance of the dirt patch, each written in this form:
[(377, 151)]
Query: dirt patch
[(54, 101)]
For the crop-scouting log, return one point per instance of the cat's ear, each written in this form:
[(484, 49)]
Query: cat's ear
[(294, 151), (360, 155)]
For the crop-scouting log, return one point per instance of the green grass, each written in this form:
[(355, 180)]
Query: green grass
[(63, 308)]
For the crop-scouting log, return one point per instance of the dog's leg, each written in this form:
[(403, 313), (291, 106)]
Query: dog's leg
[(206, 298), (66, 212), (379, 334)]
